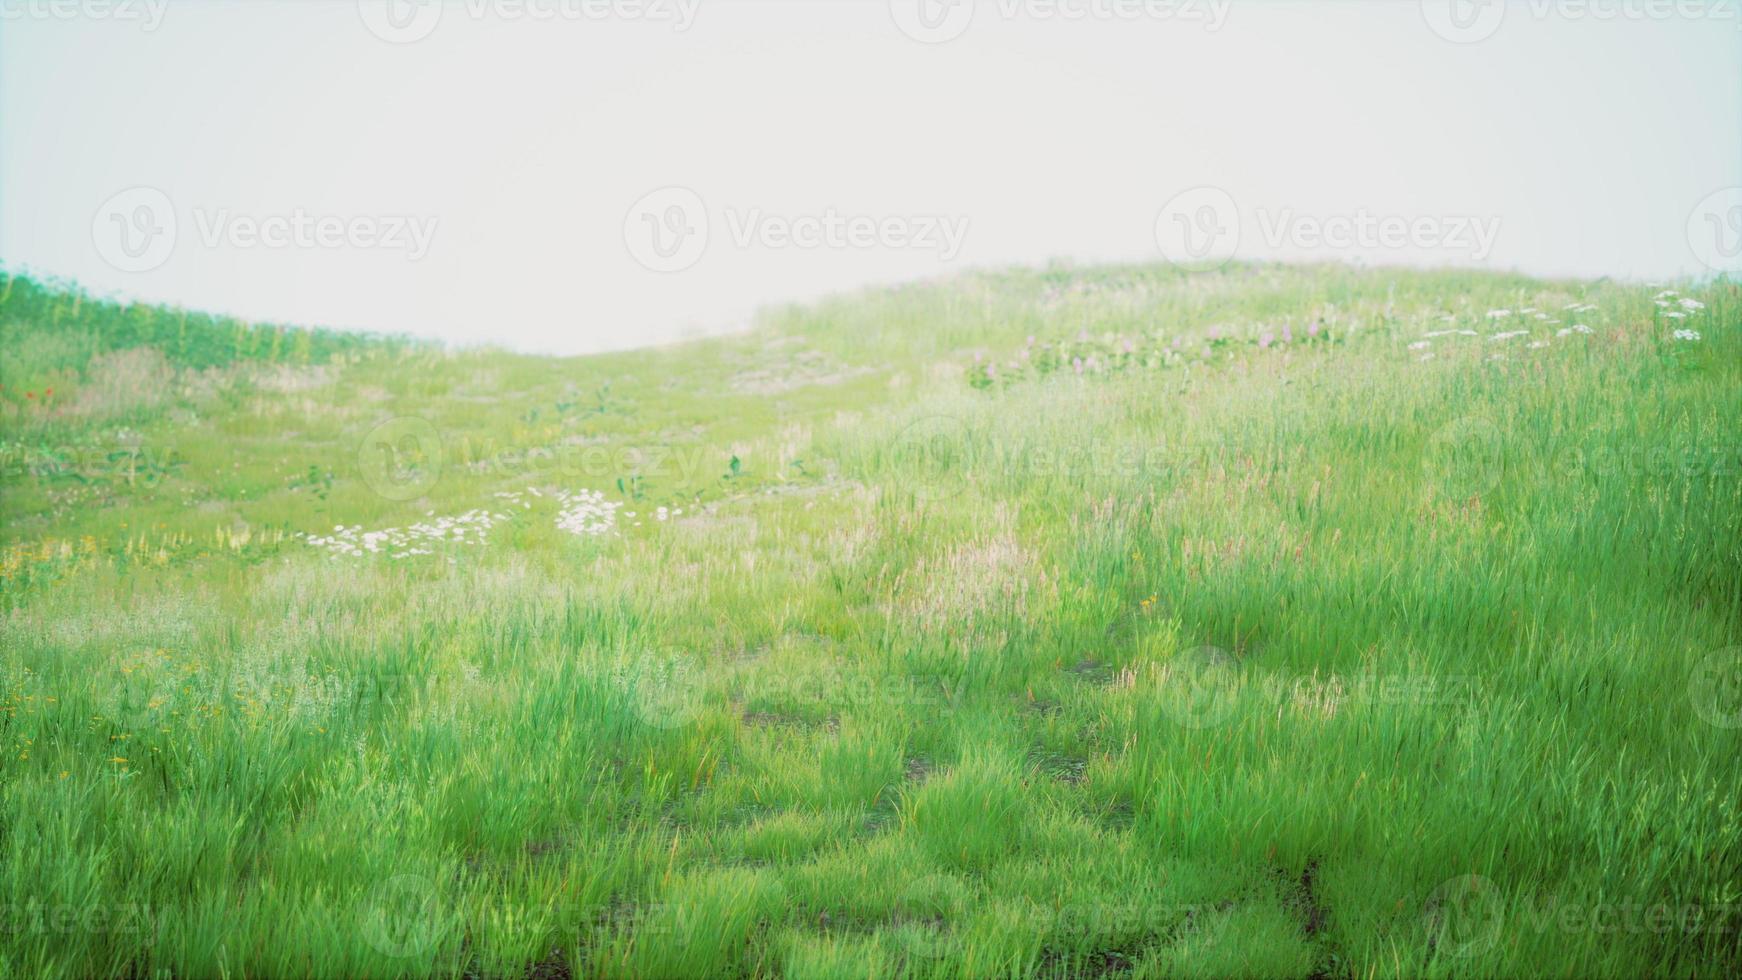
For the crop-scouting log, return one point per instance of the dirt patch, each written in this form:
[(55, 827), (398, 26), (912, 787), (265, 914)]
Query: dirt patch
[(124, 381), (1091, 672), (781, 720), (803, 370), (1066, 769), (974, 587), (284, 379)]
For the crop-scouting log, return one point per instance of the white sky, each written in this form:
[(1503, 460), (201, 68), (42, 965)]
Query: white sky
[(1590, 145)]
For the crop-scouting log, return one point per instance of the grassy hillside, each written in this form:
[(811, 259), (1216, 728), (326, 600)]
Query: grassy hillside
[(1281, 621)]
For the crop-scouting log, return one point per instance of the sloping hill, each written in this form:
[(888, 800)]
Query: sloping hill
[(1283, 621)]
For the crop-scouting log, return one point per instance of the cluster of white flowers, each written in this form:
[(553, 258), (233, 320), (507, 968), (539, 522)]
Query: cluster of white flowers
[(1541, 317), (1672, 305), (1424, 345), (472, 527), (586, 513), (583, 513), (1528, 312), (1677, 307), (517, 498)]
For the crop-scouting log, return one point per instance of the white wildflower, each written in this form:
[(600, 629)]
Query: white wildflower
[(586, 513), (401, 542)]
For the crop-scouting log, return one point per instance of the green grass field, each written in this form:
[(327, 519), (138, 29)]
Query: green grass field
[(1279, 621)]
